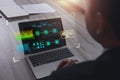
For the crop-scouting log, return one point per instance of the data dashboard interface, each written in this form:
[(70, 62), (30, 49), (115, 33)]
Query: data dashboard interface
[(41, 35)]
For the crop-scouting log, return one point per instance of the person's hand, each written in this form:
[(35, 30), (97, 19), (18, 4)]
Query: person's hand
[(66, 62)]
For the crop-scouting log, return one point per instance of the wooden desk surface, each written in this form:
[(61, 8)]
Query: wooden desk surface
[(20, 71)]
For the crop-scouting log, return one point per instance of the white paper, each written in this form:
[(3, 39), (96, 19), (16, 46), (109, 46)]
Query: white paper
[(13, 11), (7, 3), (38, 8)]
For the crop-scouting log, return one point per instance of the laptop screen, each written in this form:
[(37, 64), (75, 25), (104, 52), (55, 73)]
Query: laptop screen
[(42, 35)]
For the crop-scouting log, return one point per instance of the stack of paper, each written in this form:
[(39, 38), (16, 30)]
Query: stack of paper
[(38, 8), (13, 11), (7, 3), (10, 9)]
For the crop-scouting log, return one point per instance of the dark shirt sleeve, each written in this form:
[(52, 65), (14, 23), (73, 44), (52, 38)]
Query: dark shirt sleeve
[(81, 71), (106, 67)]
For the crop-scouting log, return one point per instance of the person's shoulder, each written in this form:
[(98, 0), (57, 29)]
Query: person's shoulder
[(107, 65), (110, 56), (113, 52)]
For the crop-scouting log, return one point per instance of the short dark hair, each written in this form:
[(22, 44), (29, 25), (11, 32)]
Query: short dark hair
[(110, 10)]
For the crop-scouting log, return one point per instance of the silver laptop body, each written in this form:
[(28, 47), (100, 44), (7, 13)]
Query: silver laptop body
[(46, 69)]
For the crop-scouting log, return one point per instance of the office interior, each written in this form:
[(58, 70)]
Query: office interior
[(13, 64)]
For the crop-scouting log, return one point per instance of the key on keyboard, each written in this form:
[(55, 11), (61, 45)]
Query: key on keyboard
[(50, 56)]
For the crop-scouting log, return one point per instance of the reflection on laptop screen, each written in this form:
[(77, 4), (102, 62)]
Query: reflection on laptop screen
[(41, 35)]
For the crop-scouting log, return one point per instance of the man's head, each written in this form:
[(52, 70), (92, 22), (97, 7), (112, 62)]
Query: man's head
[(102, 18)]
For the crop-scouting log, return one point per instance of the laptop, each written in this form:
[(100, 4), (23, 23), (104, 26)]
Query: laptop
[(44, 48)]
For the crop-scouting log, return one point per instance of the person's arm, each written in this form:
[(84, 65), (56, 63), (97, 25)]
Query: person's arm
[(82, 71)]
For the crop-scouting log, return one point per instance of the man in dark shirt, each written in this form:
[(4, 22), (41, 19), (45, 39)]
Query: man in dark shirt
[(103, 24)]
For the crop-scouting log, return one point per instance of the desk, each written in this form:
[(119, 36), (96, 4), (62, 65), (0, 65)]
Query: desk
[(20, 71)]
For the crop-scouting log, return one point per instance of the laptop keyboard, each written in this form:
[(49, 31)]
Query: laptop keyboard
[(50, 56)]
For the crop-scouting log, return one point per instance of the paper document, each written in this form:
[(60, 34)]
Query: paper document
[(10, 9), (7, 2), (13, 11), (38, 8)]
